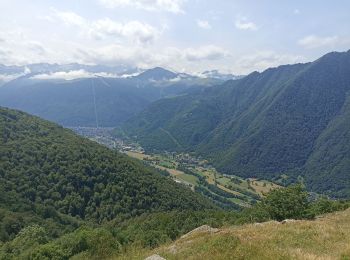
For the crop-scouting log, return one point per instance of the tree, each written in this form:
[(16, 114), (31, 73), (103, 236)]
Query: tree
[(287, 203)]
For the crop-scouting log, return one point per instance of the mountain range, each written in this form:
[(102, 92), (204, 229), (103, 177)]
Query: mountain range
[(82, 95), (285, 124)]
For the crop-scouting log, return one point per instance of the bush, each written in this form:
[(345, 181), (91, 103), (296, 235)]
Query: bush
[(27, 238), (288, 203), (324, 205), (87, 242)]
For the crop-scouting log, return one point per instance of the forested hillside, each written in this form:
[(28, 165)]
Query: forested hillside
[(45, 168), (282, 123)]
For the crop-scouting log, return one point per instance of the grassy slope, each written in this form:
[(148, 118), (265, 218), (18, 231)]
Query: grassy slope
[(327, 237)]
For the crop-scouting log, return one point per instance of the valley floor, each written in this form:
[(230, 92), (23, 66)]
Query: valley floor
[(327, 237)]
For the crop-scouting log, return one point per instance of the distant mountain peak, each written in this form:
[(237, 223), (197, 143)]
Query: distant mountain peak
[(157, 74)]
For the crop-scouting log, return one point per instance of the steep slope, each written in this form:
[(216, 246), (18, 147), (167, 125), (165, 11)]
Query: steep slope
[(191, 118), (264, 125), (44, 164)]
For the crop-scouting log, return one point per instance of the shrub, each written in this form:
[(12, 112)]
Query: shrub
[(288, 203)]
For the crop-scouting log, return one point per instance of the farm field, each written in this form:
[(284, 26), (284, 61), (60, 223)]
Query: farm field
[(226, 190)]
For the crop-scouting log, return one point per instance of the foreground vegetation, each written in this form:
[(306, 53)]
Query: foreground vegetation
[(136, 237), (328, 237)]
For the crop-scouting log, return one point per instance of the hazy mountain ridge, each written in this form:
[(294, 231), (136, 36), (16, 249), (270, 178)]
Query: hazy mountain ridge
[(94, 100), (96, 97)]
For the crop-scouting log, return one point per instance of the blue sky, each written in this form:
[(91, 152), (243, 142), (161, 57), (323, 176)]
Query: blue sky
[(184, 35)]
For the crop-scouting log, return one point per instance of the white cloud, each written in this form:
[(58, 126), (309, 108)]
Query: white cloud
[(173, 6), (242, 23), (103, 28), (9, 77), (313, 41), (296, 11), (150, 57), (116, 54), (18, 49), (138, 31), (209, 52), (73, 74), (262, 60), (69, 18), (203, 24)]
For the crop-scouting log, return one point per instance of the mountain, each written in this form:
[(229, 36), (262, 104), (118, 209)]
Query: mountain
[(283, 124), (156, 74), (82, 95), (80, 102), (44, 164)]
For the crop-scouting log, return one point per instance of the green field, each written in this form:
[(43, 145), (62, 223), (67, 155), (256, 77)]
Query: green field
[(188, 178), (225, 190)]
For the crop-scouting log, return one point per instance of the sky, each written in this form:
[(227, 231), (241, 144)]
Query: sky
[(233, 36)]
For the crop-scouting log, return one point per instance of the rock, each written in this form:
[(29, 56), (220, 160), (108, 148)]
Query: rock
[(201, 229), (155, 257), (271, 222), (287, 221), (172, 249)]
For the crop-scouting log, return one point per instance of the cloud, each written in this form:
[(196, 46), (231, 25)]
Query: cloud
[(9, 77), (36, 47), (313, 41), (209, 52), (296, 11), (262, 60), (203, 24), (103, 28), (69, 18), (173, 6), (150, 57), (18, 49), (242, 23), (138, 31), (73, 74), (116, 54)]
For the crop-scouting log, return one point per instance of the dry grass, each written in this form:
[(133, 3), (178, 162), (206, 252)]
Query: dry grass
[(325, 238), (171, 171), (139, 156), (262, 187)]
